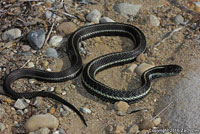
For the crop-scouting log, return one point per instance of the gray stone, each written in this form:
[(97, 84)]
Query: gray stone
[(61, 131), (20, 104), (56, 41), (106, 19), (94, 16), (50, 15), (36, 38), (154, 20), (41, 121), (2, 112), (51, 52), (2, 127), (179, 19), (127, 9), (11, 34), (42, 131), (85, 110), (38, 101), (64, 113)]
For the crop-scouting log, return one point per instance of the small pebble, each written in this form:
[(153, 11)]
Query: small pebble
[(61, 131), (106, 19), (9, 101), (58, 90), (45, 64), (127, 9), (94, 16), (2, 112), (141, 58), (179, 19), (31, 65), (31, 81), (26, 48), (56, 41), (51, 52), (42, 131), (121, 106), (144, 132), (73, 86), (119, 129), (131, 68), (109, 128), (56, 132), (64, 113), (64, 93), (142, 68), (41, 121), (154, 21), (50, 15), (20, 112), (11, 34), (52, 110), (66, 108), (67, 28), (38, 101), (134, 129), (146, 125), (2, 127), (36, 38), (25, 111), (85, 110), (51, 89), (20, 104), (157, 121)]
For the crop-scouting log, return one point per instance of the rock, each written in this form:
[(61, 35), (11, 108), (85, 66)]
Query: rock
[(109, 128), (38, 101), (157, 121), (179, 19), (121, 106), (61, 131), (134, 129), (64, 113), (146, 125), (36, 38), (51, 52), (56, 41), (20, 112), (52, 110), (31, 65), (42, 131), (144, 132), (154, 20), (141, 58), (85, 110), (11, 34), (106, 19), (119, 129), (127, 9), (26, 48), (131, 68), (58, 90), (2, 127), (45, 64), (121, 113), (2, 112), (41, 121), (50, 15), (66, 108), (20, 104), (56, 132), (94, 16), (142, 68), (31, 81), (67, 28), (51, 89)]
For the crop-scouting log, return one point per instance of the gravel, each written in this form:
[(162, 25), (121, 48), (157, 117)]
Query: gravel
[(51, 52)]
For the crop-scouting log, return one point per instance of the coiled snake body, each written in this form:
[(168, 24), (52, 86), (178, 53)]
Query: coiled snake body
[(93, 67)]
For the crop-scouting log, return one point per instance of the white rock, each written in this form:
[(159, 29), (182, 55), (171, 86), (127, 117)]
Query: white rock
[(11, 34), (20, 104), (56, 132), (131, 68), (154, 20), (42, 131), (127, 9), (142, 68), (56, 41), (41, 121), (31, 81), (157, 121), (94, 16), (106, 19), (85, 110)]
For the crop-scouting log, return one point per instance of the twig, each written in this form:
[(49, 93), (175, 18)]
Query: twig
[(25, 64), (49, 32), (162, 110)]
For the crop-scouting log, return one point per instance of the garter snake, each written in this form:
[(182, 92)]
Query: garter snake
[(96, 65)]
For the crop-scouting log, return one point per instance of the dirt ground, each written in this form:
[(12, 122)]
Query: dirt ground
[(179, 49)]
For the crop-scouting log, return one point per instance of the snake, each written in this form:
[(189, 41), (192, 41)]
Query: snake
[(93, 67)]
